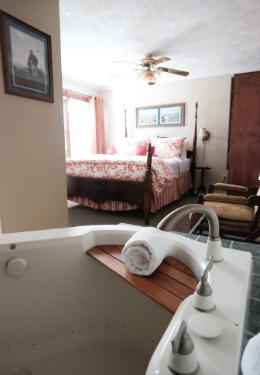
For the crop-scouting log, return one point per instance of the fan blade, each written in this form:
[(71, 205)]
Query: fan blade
[(161, 60), (126, 62), (129, 71), (173, 71), (151, 83)]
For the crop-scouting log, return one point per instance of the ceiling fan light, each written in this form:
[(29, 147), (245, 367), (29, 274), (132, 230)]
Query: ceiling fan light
[(158, 73), (139, 73), (148, 77), (155, 75)]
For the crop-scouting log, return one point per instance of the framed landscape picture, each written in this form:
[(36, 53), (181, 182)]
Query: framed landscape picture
[(158, 116), (148, 116), (27, 60)]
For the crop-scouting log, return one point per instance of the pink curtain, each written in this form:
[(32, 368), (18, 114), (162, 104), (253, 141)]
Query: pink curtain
[(97, 126)]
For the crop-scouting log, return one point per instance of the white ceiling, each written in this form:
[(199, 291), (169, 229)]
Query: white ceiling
[(203, 37)]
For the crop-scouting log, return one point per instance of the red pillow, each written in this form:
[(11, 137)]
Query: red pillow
[(142, 150)]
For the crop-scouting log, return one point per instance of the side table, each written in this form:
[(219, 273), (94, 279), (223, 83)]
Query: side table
[(201, 188)]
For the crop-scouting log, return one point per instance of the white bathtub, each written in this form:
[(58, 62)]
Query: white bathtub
[(68, 315)]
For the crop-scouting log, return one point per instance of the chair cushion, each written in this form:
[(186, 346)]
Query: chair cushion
[(232, 211), (220, 186), (225, 199), (239, 213)]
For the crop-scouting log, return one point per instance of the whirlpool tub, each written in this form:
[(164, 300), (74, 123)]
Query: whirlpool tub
[(68, 315)]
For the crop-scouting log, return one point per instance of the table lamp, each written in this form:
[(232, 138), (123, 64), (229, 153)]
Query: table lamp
[(204, 135), (111, 150)]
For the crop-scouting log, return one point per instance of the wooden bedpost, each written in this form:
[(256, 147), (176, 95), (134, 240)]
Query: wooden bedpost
[(148, 186), (125, 125), (193, 164)]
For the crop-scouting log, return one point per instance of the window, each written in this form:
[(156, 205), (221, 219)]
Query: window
[(76, 125)]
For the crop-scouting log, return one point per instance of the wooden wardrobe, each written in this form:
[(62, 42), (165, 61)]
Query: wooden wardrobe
[(243, 160)]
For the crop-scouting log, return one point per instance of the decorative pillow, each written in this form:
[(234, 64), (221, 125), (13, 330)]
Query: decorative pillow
[(168, 147), (141, 150), (130, 146)]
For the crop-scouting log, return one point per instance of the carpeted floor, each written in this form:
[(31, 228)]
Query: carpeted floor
[(80, 215)]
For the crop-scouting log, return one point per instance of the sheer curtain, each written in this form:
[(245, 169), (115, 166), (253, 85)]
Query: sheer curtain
[(79, 121), (97, 126)]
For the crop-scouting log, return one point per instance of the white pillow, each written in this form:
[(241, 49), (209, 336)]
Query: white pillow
[(130, 145), (185, 149), (168, 147)]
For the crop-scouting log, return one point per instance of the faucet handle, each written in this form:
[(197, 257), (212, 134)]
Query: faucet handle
[(205, 273), (183, 358), (203, 298), (177, 336)]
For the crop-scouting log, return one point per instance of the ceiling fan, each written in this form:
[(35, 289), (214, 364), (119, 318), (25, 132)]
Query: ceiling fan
[(147, 69)]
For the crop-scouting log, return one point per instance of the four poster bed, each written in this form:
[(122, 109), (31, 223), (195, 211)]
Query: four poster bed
[(131, 180)]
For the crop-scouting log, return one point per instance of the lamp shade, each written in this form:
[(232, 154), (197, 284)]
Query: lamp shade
[(148, 77), (111, 150), (203, 133)]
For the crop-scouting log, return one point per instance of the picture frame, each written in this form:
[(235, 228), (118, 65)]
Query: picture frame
[(27, 59), (148, 116), (160, 116)]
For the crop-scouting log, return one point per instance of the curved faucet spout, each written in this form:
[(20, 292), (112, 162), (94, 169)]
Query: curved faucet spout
[(214, 246), (170, 220)]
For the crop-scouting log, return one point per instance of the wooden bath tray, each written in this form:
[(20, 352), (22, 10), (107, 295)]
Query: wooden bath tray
[(168, 286)]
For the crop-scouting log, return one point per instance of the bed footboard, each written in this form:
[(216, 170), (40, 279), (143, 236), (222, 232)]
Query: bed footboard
[(100, 190), (137, 193)]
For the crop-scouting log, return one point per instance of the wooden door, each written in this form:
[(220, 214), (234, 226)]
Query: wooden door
[(244, 131)]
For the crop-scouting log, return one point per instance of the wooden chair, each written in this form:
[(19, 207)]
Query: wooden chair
[(238, 211)]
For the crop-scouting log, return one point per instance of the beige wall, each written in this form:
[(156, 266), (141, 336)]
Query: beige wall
[(213, 97), (32, 156)]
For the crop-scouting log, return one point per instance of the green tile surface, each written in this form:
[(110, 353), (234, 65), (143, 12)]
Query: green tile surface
[(253, 325), (245, 246), (255, 289), (256, 269)]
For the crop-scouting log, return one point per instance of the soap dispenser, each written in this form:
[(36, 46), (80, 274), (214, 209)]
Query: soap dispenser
[(202, 297), (183, 358)]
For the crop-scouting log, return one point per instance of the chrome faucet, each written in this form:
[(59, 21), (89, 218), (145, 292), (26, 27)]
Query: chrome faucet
[(214, 246)]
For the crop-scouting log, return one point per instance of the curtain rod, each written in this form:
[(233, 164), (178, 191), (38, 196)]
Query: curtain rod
[(75, 92)]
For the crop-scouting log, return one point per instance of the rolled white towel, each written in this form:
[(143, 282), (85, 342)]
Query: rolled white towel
[(145, 251), (251, 360)]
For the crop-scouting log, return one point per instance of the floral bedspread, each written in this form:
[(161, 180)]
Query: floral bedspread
[(122, 167)]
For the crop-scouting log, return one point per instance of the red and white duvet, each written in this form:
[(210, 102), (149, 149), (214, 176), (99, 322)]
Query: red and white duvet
[(122, 167)]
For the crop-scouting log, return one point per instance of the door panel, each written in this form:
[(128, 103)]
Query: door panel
[(244, 137)]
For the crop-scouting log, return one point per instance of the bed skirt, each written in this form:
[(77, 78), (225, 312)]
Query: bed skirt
[(170, 193)]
